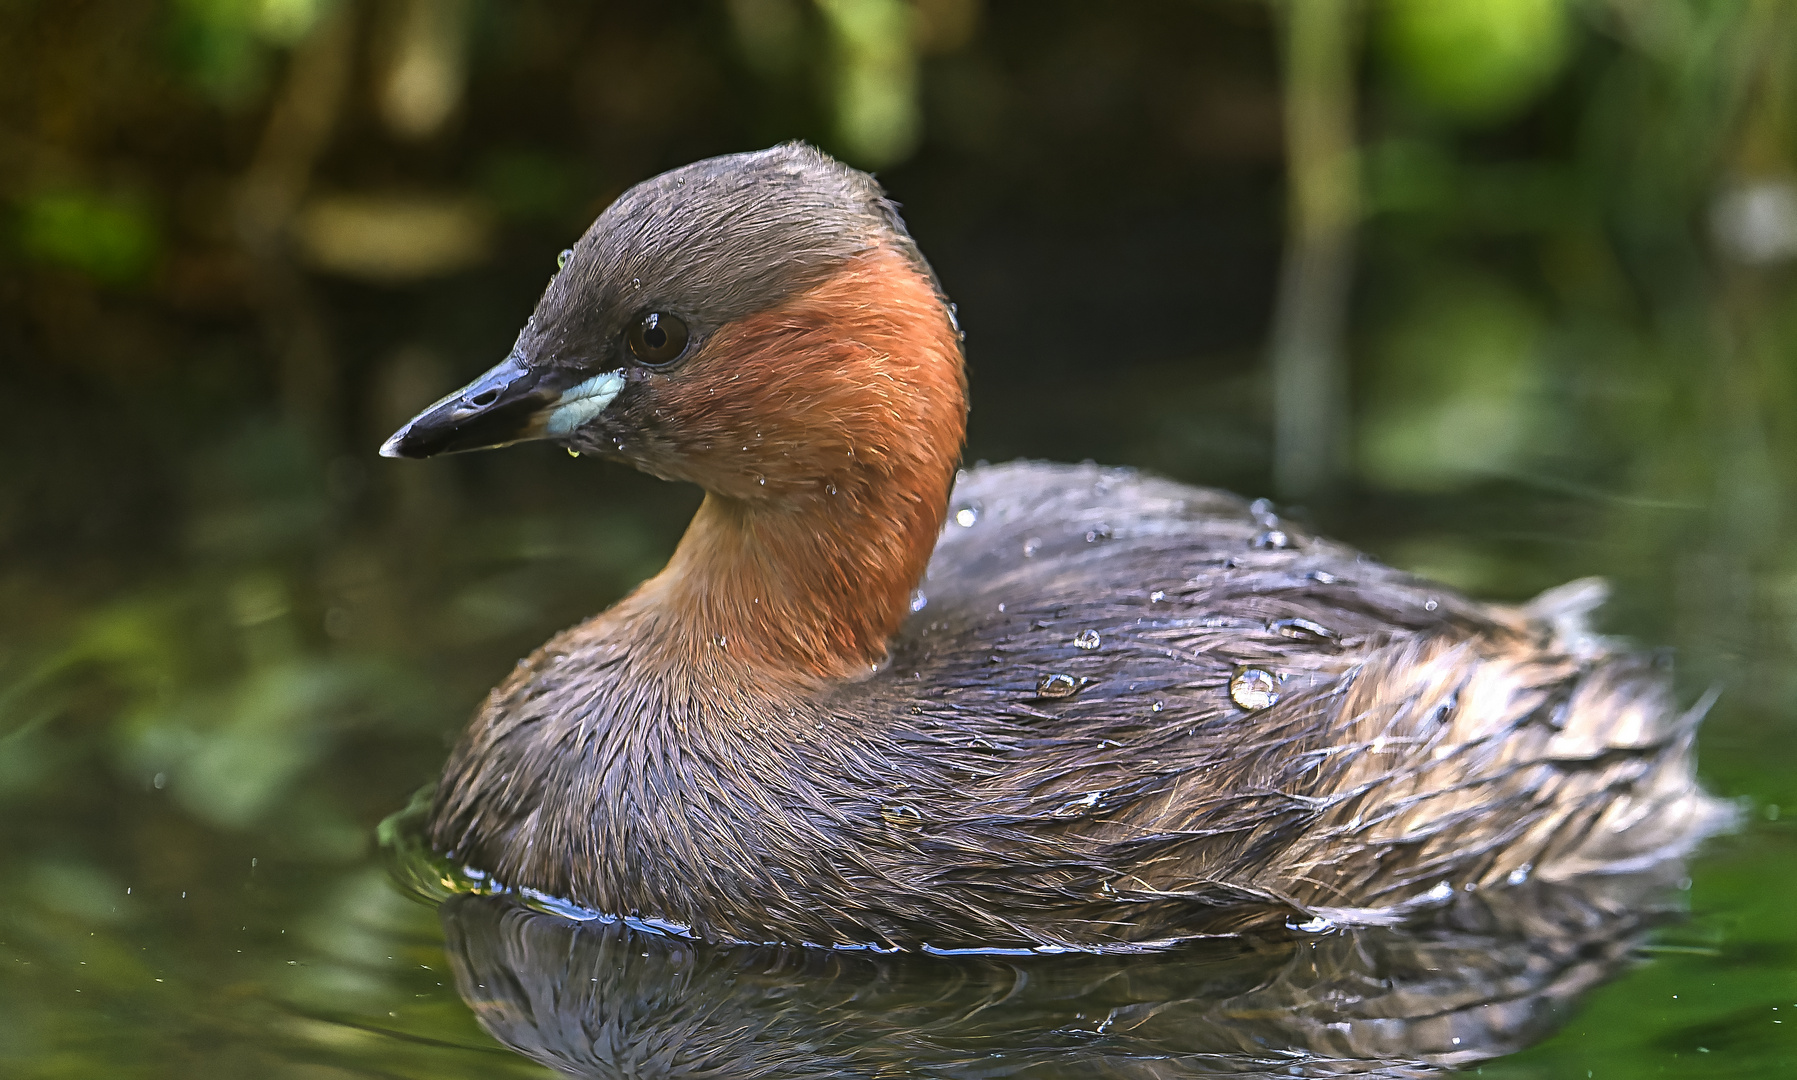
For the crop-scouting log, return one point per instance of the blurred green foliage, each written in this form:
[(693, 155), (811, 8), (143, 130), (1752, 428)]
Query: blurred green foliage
[(224, 46), (875, 82), (113, 241), (1459, 392), (1474, 60), (231, 639)]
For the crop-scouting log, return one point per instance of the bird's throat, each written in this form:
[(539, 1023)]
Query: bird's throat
[(790, 593)]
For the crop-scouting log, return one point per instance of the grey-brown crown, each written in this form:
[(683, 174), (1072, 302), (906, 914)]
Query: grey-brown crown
[(713, 241)]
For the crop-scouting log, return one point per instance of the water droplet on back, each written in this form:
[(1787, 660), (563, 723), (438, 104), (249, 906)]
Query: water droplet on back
[(1272, 539), (1058, 685), (1031, 546), (1074, 807), (1254, 689), (561, 261), (1302, 630), (918, 600), (902, 816), (1156, 596), (1087, 639), (1098, 532), (966, 516)]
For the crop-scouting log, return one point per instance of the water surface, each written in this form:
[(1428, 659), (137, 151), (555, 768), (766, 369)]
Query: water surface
[(192, 889)]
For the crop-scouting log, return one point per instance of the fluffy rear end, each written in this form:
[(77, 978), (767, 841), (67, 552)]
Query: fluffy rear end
[(1471, 763)]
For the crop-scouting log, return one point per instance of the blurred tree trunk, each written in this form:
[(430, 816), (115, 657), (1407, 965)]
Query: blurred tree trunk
[(1323, 207), (299, 126)]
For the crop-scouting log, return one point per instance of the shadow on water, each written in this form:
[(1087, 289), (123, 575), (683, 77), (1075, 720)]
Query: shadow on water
[(1493, 973)]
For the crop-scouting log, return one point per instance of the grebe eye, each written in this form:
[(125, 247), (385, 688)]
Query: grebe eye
[(658, 338)]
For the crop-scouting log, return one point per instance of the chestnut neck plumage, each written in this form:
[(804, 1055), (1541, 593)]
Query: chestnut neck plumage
[(848, 404)]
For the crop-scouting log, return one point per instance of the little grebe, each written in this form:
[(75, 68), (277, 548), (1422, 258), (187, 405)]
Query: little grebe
[(874, 702)]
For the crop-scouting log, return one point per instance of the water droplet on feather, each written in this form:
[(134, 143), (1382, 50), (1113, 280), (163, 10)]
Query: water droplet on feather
[(1031, 546), (1302, 630), (1254, 689), (1058, 685), (1087, 639), (1098, 532), (561, 261), (1074, 807), (1272, 539), (902, 816), (966, 516), (918, 600)]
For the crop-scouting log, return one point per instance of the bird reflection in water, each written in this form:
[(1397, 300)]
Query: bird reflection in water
[(1487, 973)]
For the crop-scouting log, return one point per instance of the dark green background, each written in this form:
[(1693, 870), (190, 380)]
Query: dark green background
[(232, 639)]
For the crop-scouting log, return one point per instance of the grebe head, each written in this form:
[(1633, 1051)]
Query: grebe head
[(760, 324)]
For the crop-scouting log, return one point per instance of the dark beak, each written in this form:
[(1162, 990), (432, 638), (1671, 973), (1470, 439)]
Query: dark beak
[(506, 405)]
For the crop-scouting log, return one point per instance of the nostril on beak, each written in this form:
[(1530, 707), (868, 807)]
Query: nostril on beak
[(484, 398)]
